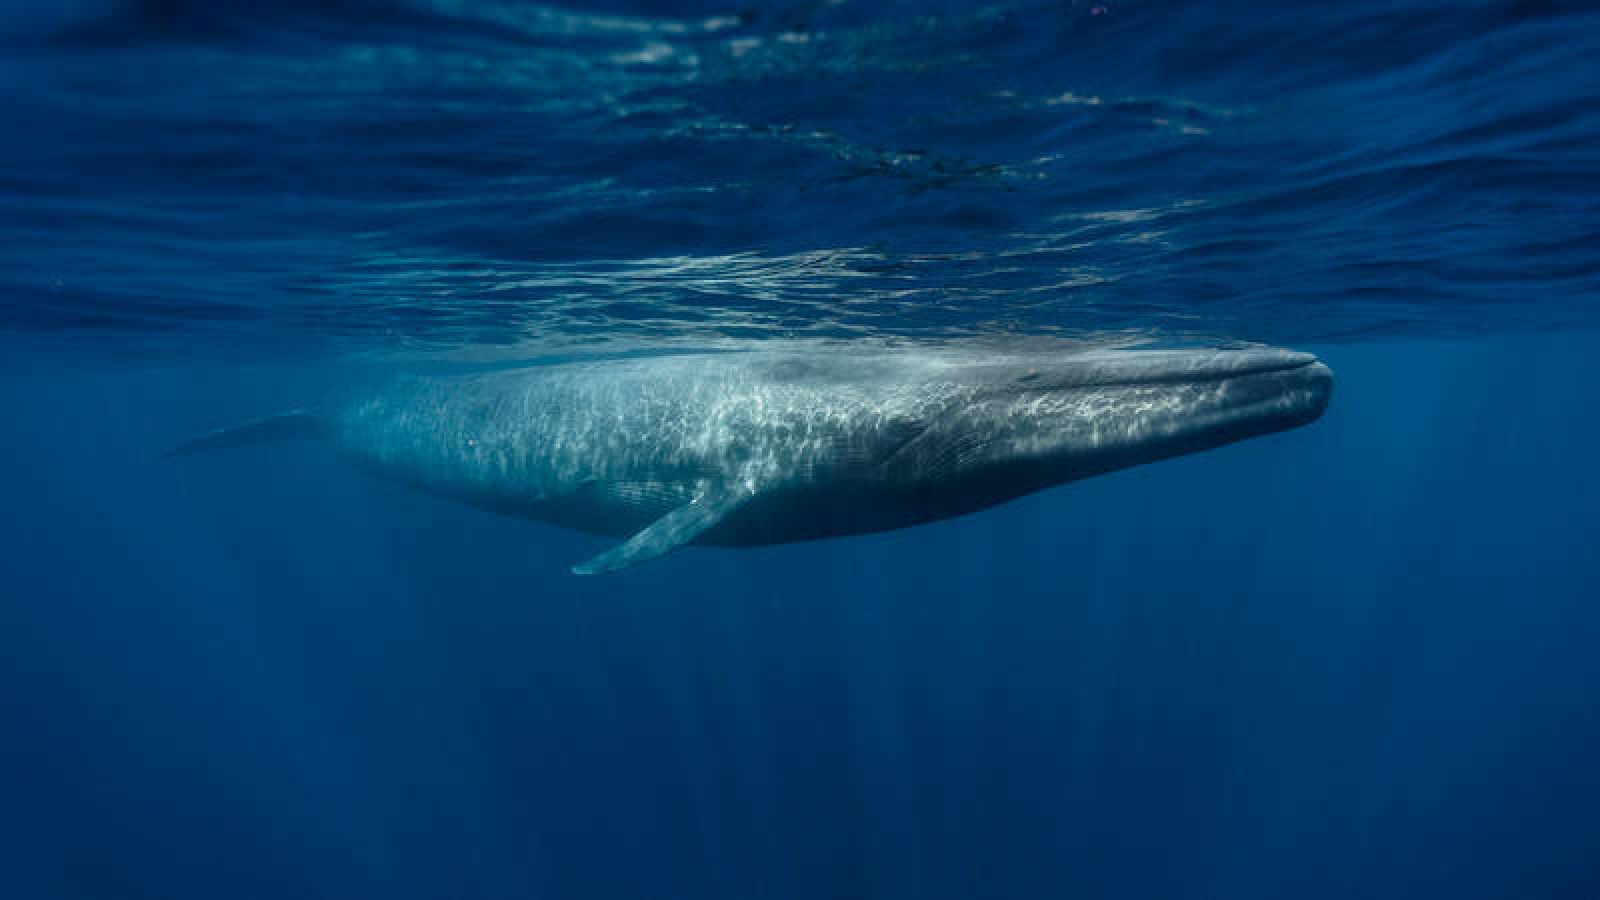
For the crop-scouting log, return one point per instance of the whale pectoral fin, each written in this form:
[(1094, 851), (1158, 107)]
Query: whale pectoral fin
[(672, 530)]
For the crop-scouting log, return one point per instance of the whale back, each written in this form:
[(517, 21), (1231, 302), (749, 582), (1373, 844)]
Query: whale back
[(607, 446)]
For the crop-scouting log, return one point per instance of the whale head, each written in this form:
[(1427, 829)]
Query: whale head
[(1039, 420)]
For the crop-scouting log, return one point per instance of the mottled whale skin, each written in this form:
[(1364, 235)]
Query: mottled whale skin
[(767, 447)]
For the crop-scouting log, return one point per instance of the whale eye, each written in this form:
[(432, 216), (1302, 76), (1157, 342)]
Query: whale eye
[(1030, 375)]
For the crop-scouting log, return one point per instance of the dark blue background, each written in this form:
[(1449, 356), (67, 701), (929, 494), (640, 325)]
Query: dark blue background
[(1354, 660)]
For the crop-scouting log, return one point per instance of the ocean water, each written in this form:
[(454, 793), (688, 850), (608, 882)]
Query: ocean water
[(1353, 660)]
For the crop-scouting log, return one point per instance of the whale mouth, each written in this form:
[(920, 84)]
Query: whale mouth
[(1142, 368), (1215, 399), (1250, 391), (1188, 367), (1058, 420), (1299, 391)]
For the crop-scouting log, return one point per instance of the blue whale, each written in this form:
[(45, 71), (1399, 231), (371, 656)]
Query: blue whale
[(766, 447)]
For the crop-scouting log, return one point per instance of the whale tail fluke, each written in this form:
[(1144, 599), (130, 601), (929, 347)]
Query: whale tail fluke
[(294, 423)]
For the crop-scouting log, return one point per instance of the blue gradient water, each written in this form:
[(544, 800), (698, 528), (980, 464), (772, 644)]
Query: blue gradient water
[(1353, 660)]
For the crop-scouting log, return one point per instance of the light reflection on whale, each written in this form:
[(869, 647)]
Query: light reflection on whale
[(771, 446)]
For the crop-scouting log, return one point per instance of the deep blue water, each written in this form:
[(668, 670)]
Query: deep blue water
[(1354, 660)]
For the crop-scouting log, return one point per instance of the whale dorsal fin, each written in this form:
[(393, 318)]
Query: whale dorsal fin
[(672, 530)]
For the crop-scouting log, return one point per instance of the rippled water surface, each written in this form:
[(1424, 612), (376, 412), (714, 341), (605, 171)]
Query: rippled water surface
[(445, 175)]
